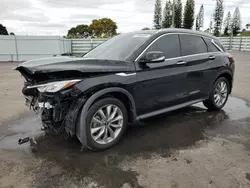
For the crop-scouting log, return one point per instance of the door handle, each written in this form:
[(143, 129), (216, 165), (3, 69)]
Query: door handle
[(181, 63), (212, 57)]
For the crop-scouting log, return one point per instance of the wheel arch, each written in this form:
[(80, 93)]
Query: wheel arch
[(116, 92)]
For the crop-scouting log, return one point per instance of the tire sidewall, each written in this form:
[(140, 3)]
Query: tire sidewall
[(91, 144)]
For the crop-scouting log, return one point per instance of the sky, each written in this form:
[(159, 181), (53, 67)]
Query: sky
[(56, 17)]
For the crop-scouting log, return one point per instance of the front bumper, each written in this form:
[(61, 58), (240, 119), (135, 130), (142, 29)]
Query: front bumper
[(58, 110)]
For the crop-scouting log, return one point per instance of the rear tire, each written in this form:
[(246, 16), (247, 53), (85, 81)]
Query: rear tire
[(106, 122), (219, 95)]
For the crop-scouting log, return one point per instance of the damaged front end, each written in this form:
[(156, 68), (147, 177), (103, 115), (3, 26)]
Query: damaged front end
[(57, 102), (60, 88)]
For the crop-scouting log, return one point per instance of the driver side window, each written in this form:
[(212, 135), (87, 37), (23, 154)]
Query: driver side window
[(168, 44)]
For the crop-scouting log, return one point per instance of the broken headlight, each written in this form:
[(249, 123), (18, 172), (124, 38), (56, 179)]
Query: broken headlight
[(53, 87)]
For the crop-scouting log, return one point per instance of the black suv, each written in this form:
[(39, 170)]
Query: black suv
[(128, 78)]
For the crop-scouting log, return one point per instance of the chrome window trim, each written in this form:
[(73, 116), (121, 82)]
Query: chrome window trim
[(216, 45), (174, 58), (124, 74), (212, 40)]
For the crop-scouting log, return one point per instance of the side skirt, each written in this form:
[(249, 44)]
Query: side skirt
[(168, 109)]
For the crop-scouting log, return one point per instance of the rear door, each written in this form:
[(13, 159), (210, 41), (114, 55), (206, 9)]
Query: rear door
[(217, 55), (197, 61)]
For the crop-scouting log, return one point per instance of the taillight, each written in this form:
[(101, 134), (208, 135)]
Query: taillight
[(231, 58)]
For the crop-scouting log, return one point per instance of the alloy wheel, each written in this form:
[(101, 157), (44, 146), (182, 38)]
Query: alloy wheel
[(220, 93), (106, 124)]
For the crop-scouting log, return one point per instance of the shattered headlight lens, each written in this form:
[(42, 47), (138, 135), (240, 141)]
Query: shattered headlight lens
[(53, 87)]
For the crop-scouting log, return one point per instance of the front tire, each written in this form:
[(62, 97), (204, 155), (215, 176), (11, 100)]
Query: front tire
[(219, 95), (106, 122)]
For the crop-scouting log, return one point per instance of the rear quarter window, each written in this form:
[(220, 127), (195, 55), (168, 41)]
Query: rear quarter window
[(220, 45), (212, 47)]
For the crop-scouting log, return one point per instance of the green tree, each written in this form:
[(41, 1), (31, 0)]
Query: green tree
[(247, 25), (3, 30), (189, 14), (80, 31), (207, 30), (211, 24), (178, 14), (72, 33), (236, 22), (11, 33), (102, 28), (227, 24), (218, 17), (200, 18), (157, 15), (145, 28), (197, 23), (167, 15)]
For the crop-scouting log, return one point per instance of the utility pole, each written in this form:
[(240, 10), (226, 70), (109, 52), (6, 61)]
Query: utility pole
[(173, 13)]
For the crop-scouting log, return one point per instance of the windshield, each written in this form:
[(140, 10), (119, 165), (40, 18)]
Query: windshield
[(119, 47)]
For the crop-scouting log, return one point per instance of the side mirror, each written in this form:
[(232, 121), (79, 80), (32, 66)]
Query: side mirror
[(155, 57)]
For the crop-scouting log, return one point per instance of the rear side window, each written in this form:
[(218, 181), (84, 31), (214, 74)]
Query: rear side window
[(191, 44), (168, 44)]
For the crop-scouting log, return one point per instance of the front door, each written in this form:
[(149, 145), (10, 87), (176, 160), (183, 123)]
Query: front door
[(165, 84)]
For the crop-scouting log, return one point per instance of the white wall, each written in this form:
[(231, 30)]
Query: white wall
[(22, 48)]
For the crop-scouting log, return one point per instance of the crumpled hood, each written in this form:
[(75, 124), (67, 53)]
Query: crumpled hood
[(84, 65)]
